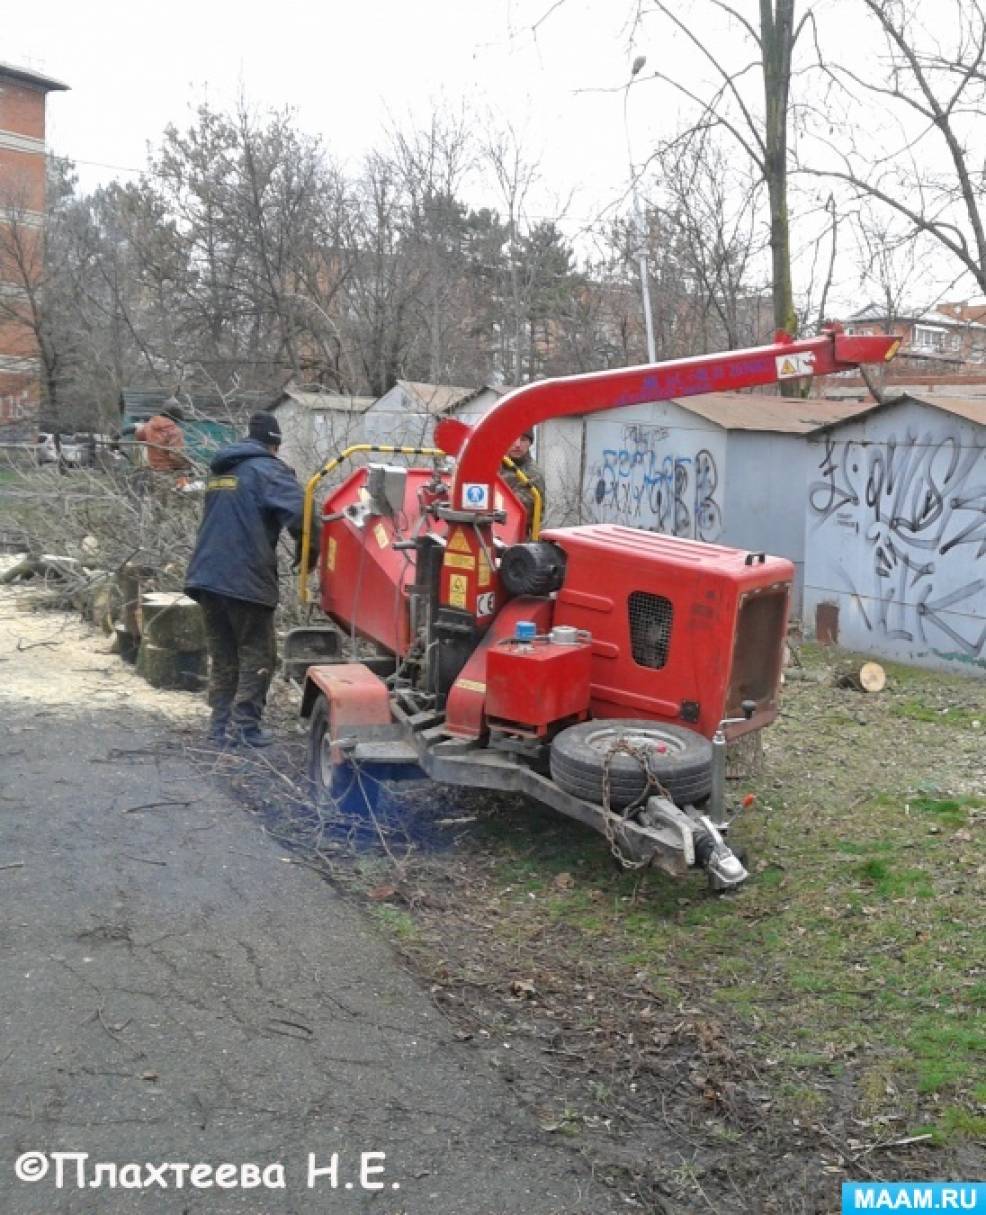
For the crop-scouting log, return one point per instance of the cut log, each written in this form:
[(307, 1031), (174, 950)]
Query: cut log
[(128, 616), (869, 677), (163, 668), (127, 643), (46, 566), (173, 621), (103, 605)]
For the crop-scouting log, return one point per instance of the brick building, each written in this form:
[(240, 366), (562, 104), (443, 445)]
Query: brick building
[(950, 338), (23, 94)]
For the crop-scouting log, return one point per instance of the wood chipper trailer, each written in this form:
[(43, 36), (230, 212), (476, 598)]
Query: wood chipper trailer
[(599, 669)]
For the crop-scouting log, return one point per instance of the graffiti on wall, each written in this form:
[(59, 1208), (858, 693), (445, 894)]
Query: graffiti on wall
[(916, 510), (648, 481)]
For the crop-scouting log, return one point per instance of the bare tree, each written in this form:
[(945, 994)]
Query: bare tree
[(707, 223), (759, 128), (923, 163)]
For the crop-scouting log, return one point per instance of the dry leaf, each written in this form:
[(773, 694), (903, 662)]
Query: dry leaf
[(381, 893)]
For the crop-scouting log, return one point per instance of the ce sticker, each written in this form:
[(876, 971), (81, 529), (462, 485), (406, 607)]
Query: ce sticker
[(485, 604)]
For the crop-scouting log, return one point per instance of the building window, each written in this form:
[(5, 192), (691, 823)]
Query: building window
[(927, 338)]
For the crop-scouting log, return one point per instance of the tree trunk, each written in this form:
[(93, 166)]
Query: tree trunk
[(777, 44)]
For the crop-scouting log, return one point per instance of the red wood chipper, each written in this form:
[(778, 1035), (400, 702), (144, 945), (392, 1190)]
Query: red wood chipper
[(599, 669)]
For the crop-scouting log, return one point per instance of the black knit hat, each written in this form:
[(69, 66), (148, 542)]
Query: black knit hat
[(265, 428)]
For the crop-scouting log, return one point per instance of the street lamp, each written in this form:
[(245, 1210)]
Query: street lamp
[(638, 222)]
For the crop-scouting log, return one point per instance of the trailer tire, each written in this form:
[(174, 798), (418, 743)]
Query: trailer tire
[(322, 773), (580, 754)]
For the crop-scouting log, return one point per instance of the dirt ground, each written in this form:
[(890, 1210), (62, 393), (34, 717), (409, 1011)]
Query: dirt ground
[(705, 1054)]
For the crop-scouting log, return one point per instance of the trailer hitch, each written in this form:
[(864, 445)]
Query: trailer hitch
[(699, 842), (726, 871)]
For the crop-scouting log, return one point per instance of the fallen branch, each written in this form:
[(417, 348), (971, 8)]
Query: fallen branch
[(13, 865), (895, 1143), (155, 805)]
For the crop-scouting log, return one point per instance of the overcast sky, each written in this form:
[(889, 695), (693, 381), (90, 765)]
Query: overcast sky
[(349, 69), (352, 69)]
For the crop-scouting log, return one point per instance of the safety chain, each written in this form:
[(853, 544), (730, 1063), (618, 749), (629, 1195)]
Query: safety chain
[(623, 747)]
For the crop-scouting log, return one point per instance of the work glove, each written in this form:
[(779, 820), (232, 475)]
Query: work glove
[(315, 548)]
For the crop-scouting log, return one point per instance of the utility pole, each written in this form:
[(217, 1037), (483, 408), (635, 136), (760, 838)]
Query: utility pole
[(638, 221)]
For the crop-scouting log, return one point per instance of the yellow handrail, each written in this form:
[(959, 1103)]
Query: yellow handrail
[(331, 465)]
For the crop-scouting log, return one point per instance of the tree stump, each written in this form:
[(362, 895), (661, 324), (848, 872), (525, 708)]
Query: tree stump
[(173, 621), (744, 756), (867, 677), (163, 668)]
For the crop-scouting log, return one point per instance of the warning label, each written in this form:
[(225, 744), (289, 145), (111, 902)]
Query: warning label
[(790, 366), (458, 585), (457, 542)]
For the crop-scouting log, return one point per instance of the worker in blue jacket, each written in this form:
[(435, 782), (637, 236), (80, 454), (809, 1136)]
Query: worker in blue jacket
[(250, 497)]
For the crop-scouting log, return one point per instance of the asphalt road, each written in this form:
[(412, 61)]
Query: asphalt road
[(172, 992)]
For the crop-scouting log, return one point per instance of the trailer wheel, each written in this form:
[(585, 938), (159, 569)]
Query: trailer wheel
[(322, 769), (680, 759)]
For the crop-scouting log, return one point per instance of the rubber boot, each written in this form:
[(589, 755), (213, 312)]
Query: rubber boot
[(218, 735), (253, 736)]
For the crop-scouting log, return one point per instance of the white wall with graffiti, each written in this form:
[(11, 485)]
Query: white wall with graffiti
[(896, 535), (657, 467)]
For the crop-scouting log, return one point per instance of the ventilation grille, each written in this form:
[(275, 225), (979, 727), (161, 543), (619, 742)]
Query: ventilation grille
[(650, 628)]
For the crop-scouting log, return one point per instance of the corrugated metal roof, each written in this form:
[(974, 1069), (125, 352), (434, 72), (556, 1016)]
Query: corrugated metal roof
[(755, 411), (29, 76), (325, 402)]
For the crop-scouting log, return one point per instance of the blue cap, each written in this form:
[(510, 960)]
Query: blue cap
[(525, 630)]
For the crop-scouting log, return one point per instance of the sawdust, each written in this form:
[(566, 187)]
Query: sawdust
[(80, 674)]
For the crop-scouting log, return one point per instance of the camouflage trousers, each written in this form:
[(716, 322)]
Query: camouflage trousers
[(242, 652)]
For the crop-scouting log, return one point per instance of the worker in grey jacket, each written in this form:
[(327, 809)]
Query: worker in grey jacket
[(520, 453)]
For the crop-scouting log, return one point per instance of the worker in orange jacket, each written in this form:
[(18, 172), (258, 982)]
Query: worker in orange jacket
[(163, 441)]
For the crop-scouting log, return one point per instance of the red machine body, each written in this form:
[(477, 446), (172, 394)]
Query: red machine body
[(532, 687), (364, 579), (682, 631)]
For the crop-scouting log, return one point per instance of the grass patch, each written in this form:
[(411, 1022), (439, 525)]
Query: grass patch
[(917, 710), (398, 923), (946, 1055), (954, 1125), (890, 883), (950, 812)]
